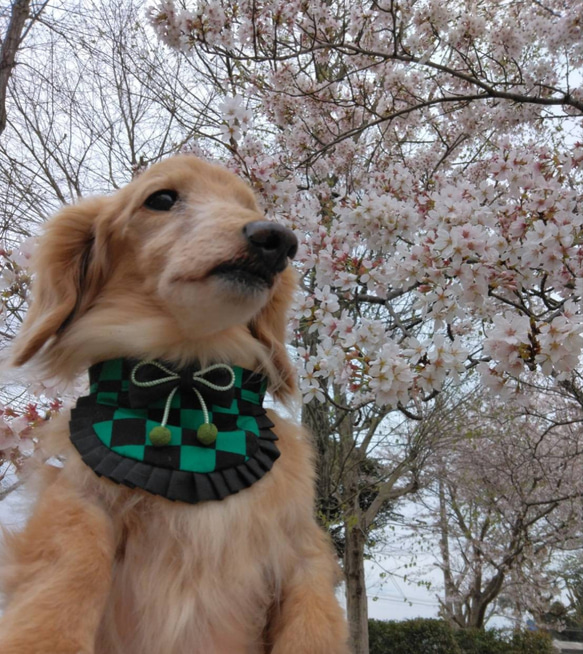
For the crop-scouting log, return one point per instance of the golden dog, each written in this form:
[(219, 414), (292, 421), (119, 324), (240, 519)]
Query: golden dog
[(177, 266)]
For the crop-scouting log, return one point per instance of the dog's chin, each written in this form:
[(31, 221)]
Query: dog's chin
[(241, 283), (243, 277), (217, 302)]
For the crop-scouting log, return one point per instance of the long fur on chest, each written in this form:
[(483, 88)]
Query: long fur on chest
[(205, 578)]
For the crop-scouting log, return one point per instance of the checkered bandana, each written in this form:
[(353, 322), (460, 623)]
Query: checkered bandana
[(111, 429)]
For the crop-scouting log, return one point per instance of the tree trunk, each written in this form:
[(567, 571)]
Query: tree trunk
[(19, 14), (356, 600), (451, 604), (482, 599)]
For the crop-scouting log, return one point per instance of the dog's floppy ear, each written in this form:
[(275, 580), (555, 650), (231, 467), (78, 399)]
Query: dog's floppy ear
[(67, 258), (269, 327)]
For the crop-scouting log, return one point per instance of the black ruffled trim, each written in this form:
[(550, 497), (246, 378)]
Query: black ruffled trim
[(176, 485)]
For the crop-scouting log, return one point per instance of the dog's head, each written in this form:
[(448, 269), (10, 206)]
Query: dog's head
[(179, 264)]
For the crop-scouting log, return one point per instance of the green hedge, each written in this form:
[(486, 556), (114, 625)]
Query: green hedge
[(422, 636), (411, 637), (495, 641)]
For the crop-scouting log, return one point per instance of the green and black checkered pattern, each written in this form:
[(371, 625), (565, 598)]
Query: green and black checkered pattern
[(111, 434)]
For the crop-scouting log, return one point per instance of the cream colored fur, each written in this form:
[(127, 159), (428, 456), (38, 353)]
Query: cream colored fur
[(102, 569)]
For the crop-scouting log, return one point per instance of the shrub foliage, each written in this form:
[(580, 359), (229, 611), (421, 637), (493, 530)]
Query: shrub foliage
[(432, 636)]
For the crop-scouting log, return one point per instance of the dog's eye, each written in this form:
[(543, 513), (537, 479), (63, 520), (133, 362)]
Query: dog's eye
[(162, 200)]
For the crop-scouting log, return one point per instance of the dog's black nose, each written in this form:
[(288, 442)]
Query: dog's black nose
[(273, 243)]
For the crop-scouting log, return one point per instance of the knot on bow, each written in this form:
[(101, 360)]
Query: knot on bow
[(151, 381)]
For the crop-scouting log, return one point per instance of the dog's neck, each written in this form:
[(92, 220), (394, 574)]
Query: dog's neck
[(188, 434)]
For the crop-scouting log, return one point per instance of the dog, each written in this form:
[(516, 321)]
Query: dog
[(178, 271)]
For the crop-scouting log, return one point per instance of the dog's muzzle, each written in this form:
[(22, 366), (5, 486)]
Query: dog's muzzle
[(271, 243), (269, 246)]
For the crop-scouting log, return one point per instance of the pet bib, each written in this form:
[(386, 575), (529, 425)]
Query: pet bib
[(190, 435)]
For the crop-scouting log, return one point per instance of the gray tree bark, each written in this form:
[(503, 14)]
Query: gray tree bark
[(10, 44), (356, 600)]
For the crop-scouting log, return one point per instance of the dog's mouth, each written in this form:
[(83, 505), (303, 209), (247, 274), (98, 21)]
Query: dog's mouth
[(246, 273)]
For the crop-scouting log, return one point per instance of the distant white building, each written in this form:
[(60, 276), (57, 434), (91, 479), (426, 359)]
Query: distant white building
[(566, 647)]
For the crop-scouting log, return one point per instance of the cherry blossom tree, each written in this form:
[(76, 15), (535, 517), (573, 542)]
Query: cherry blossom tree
[(504, 500), (424, 152), (437, 218)]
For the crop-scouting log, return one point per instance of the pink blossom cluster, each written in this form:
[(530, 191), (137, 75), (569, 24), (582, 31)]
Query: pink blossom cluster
[(15, 430), (16, 439), (237, 118), (14, 282), (17, 422), (462, 263)]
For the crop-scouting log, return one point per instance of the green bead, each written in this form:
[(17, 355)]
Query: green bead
[(160, 436), (207, 433)]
